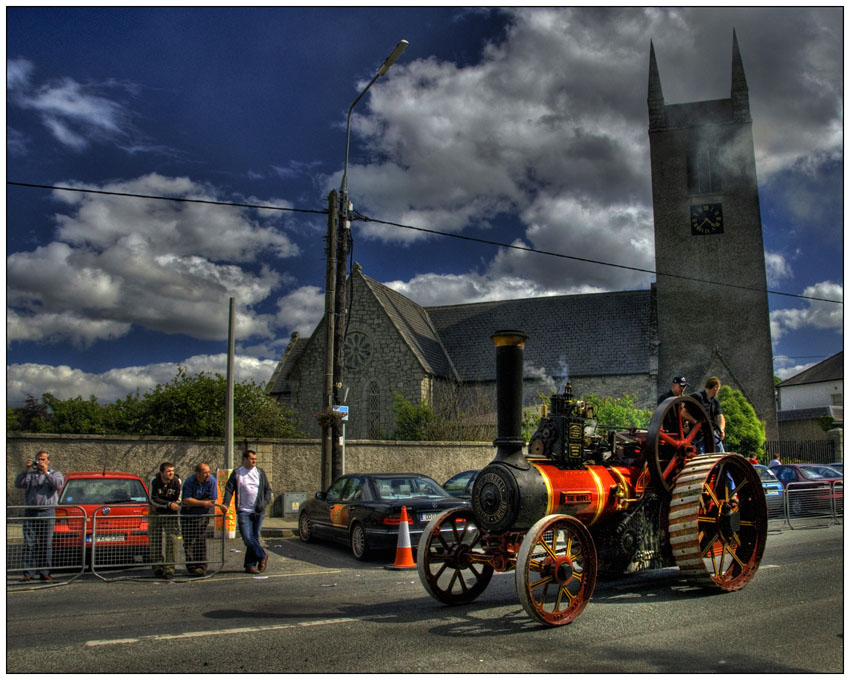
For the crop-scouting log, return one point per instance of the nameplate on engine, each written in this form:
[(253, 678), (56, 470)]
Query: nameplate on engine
[(575, 497)]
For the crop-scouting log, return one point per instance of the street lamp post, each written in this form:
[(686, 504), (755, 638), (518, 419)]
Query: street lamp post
[(342, 246)]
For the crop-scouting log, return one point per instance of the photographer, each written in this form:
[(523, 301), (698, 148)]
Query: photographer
[(42, 484)]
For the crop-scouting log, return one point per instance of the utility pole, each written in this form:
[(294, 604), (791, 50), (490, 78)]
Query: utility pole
[(228, 413), (339, 335), (328, 434)]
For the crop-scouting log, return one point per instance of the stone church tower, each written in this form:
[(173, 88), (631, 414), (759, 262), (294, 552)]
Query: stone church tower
[(708, 235)]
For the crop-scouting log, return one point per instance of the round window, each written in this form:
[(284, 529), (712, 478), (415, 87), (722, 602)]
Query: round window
[(358, 350)]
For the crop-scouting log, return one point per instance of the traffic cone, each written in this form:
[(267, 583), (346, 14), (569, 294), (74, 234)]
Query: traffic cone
[(403, 551)]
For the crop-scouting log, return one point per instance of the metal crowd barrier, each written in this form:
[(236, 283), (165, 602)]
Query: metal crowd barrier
[(173, 547), (44, 545), (129, 543), (806, 504)]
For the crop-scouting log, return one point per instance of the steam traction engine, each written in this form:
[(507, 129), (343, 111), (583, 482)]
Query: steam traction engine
[(582, 503)]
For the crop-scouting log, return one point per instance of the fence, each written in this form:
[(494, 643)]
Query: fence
[(810, 451), (807, 504), (55, 545)]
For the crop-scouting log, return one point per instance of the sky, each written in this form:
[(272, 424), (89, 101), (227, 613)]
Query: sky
[(520, 126)]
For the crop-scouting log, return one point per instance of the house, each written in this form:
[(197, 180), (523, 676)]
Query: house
[(808, 400)]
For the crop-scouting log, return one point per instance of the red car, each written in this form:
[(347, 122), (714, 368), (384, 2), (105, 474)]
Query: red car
[(813, 487), (117, 504)]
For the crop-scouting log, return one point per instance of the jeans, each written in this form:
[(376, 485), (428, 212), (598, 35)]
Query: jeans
[(250, 524), (37, 552), (157, 525), (718, 445), (195, 540)]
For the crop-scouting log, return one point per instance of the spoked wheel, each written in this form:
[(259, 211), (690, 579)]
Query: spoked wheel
[(451, 560), (718, 521), (556, 569), (672, 439)]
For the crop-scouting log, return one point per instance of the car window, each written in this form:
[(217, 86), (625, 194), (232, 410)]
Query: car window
[(335, 491), (829, 473), (766, 475), (786, 474), (458, 482), (811, 473), (102, 491), (353, 490), (397, 488)]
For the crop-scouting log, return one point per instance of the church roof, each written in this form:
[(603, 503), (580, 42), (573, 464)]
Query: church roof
[(414, 325), (569, 335), (831, 368)]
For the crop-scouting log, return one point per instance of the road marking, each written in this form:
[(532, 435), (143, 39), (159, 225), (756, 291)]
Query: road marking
[(231, 631)]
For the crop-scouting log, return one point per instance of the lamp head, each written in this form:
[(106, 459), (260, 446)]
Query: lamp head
[(396, 53)]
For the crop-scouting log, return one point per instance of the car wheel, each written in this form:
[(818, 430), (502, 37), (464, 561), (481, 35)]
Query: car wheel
[(358, 542), (796, 506), (304, 529)]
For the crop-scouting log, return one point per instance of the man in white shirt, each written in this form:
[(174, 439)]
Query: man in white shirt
[(253, 494)]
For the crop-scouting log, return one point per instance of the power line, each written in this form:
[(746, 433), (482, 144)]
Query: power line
[(168, 198), (365, 218)]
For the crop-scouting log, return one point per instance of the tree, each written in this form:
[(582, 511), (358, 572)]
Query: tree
[(619, 412), (744, 431), (413, 422), (75, 416)]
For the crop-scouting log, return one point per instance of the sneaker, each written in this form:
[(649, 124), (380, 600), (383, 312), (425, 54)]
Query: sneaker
[(199, 572), (168, 574), (26, 579), (251, 570), (263, 563), (46, 577)]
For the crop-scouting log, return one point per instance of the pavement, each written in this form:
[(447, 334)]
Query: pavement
[(277, 527)]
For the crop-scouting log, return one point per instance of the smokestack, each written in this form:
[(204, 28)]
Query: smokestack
[(510, 346)]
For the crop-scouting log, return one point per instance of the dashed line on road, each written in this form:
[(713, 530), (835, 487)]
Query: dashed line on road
[(231, 631)]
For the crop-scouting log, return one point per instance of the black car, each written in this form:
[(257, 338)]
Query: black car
[(364, 510), (460, 486)]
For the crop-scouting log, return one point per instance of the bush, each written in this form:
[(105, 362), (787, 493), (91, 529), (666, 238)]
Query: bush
[(744, 431)]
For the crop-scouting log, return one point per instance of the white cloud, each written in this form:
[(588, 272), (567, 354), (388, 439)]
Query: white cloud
[(777, 268), (66, 383), (160, 265), (822, 315), (301, 310), (18, 73)]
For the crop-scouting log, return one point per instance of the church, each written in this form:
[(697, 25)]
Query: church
[(707, 314)]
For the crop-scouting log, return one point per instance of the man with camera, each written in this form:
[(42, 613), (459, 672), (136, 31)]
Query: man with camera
[(42, 485)]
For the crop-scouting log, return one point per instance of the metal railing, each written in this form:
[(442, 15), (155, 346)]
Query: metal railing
[(54, 545), (808, 502)]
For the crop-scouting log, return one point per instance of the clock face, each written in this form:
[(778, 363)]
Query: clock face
[(706, 218)]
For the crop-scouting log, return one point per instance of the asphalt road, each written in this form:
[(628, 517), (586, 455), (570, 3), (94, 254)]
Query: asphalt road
[(316, 609)]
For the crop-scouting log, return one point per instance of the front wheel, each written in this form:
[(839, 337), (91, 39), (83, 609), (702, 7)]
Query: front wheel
[(305, 531), (556, 570)]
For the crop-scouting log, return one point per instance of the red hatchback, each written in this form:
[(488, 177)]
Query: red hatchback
[(116, 503)]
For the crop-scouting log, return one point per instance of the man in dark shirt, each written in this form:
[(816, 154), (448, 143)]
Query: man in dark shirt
[(200, 493), (671, 420), (708, 398), (162, 519)]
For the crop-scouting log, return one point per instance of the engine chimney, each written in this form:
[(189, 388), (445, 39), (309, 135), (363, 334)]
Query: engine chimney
[(510, 346)]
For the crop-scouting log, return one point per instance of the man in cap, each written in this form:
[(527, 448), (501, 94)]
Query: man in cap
[(677, 389)]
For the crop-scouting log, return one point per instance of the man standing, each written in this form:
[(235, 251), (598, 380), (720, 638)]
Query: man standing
[(677, 388), (253, 494), (708, 399), (200, 493), (42, 484), (162, 519)]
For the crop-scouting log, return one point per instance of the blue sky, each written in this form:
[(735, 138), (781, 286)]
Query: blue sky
[(525, 126)]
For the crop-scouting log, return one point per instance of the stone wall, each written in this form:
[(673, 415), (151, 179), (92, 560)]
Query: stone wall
[(292, 465)]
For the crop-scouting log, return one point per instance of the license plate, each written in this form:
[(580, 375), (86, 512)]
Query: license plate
[(428, 516), (106, 538), (771, 493)]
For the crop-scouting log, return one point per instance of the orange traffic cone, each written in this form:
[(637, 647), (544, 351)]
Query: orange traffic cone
[(403, 551)]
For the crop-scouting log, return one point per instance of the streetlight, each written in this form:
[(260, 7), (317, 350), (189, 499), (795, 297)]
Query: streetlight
[(390, 60), (335, 295)]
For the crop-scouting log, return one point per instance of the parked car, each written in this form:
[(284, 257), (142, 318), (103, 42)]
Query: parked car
[(364, 510), (774, 492), (116, 503), (460, 486), (812, 488)]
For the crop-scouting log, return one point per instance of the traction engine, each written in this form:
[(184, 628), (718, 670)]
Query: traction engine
[(582, 503)]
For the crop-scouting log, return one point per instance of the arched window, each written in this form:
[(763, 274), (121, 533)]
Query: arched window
[(374, 411)]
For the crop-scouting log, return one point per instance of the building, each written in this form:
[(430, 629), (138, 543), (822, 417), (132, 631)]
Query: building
[(706, 315), (811, 399)]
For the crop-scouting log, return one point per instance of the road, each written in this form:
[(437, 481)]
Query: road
[(319, 610)]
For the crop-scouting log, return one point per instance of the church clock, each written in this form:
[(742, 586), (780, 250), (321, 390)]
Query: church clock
[(706, 218)]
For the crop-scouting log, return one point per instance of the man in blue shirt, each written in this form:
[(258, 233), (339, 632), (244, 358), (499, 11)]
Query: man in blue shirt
[(42, 484), (200, 492)]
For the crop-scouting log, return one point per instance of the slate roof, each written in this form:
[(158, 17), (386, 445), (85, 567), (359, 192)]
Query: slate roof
[(582, 335), (831, 368), (278, 383), (836, 412), (414, 324)]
